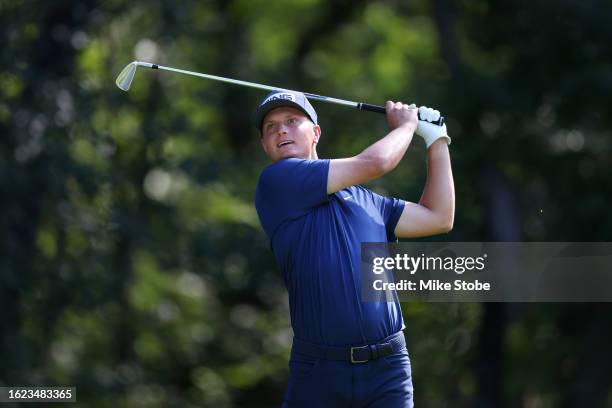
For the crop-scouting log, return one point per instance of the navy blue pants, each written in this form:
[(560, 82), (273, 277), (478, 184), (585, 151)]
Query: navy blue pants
[(385, 382)]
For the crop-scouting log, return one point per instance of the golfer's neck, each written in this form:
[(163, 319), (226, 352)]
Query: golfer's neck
[(312, 156)]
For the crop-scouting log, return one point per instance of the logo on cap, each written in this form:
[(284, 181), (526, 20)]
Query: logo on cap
[(274, 97)]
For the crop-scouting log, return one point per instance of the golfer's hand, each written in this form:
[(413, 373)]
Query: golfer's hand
[(429, 131), (399, 114)]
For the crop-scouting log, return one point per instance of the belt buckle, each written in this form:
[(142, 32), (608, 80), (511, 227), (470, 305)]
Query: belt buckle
[(353, 358)]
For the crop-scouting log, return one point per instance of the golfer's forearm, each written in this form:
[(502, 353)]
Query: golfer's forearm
[(388, 151), (439, 192)]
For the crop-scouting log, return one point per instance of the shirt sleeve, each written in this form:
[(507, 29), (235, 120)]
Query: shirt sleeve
[(289, 189), (391, 210)]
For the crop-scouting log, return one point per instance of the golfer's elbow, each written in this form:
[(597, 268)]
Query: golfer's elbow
[(383, 164), (447, 226), (387, 164), (440, 227), (441, 221), (447, 222), (376, 165)]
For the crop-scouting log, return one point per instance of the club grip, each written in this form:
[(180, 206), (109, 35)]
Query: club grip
[(372, 108), (381, 109)]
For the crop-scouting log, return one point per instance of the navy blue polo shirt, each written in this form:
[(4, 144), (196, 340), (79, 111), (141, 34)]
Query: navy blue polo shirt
[(316, 239)]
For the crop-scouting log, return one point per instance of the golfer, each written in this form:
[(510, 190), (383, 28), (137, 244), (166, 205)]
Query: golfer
[(345, 353)]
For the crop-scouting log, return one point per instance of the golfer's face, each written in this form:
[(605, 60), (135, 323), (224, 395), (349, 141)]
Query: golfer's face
[(287, 132)]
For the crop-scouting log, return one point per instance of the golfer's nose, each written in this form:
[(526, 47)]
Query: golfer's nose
[(282, 128)]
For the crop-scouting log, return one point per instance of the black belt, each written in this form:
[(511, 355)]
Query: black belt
[(354, 354)]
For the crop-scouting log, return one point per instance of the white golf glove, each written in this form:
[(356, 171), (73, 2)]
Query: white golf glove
[(429, 131)]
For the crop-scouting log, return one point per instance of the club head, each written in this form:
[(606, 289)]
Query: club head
[(125, 78)]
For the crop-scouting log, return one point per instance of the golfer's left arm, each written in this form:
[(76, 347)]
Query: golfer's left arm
[(435, 211)]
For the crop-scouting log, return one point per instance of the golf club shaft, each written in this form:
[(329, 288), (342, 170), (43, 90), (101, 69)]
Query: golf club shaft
[(358, 105)]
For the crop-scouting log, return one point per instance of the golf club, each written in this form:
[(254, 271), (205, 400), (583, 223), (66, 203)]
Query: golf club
[(125, 78)]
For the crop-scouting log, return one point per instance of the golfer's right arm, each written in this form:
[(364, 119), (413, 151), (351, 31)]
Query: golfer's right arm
[(379, 158)]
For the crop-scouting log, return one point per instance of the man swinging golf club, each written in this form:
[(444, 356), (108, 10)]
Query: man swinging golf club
[(346, 353)]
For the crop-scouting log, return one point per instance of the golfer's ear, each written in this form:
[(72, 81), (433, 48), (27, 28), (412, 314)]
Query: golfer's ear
[(317, 130)]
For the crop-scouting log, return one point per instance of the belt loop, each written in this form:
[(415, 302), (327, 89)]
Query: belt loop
[(374, 351)]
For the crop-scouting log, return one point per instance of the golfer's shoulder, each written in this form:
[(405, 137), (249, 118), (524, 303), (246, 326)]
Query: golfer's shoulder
[(275, 171), (291, 168)]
